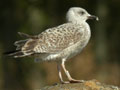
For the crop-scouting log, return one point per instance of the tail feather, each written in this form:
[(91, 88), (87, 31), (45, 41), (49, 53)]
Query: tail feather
[(14, 54), (20, 44), (20, 52), (27, 36), (24, 35), (17, 54)]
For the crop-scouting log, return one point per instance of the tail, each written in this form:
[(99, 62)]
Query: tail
[(21, 43), (16, 54), (19, 52), (27, 36)]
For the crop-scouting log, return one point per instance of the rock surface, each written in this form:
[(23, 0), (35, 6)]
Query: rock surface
[(87, 85)]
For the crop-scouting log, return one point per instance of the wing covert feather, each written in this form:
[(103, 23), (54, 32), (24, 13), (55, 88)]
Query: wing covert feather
[(56, 39)]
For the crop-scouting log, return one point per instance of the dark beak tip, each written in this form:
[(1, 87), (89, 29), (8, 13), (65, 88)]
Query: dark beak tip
[(97, 19), (93, 17)]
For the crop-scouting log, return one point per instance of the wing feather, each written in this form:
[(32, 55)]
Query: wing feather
[(56, 39)]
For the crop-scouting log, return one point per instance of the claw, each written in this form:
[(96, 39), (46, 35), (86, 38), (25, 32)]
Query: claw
[(65, 82), (76, 81)]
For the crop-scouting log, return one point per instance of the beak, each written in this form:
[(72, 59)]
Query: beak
[(93, 17)]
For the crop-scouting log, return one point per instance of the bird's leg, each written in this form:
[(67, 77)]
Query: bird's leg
[(60, 74), (71, 80)]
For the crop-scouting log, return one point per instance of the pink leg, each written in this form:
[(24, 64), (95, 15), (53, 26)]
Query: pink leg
[(60, 75), (71, 80)]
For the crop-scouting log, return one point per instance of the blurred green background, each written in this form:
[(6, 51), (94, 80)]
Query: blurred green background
[(99, 60)]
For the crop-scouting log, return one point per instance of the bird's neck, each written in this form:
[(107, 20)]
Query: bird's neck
[(78, 22)]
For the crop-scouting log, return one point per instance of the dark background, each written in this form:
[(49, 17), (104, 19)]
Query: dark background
[(99, 60)]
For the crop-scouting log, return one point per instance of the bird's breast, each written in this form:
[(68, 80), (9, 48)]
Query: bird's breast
[(77, 47)]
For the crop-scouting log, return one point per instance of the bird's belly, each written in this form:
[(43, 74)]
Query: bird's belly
[(74, 50)]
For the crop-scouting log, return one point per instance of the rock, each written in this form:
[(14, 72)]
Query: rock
[(87, 85)]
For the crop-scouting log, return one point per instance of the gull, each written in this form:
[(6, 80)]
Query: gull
[(59, 43)]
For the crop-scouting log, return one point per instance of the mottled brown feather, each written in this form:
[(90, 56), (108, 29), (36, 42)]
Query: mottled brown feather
[(55, 39)]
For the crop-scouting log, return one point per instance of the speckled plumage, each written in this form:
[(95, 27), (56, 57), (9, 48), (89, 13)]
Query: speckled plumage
[(58, 43)]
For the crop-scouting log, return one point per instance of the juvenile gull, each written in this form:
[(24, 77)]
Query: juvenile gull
[(59, 43)]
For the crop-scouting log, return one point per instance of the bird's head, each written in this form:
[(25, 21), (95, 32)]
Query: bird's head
[(78, 15)]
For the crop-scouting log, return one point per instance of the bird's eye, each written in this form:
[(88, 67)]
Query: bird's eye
[(81, 12)]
